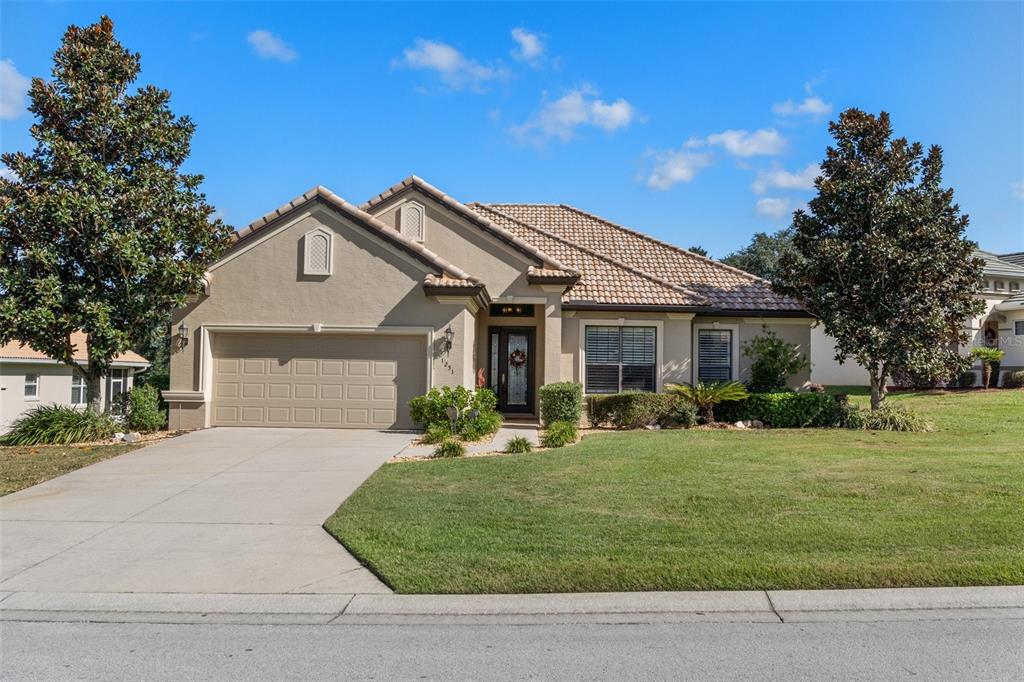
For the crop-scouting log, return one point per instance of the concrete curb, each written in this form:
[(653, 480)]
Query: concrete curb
[(624, 607)]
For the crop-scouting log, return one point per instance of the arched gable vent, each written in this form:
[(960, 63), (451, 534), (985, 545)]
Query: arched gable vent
[(412, 221), (316, 252)]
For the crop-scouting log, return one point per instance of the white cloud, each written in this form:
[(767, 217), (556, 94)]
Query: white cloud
[(770, 207), (455, 69), (580, 107), (8, 174), (763, 142), (529, 46), (1018, 189), (13, 87), (811, 106), (676, 166), (782, 179), (269, 46)]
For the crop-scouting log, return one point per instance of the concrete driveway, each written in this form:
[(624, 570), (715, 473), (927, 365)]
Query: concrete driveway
[(222, 510)]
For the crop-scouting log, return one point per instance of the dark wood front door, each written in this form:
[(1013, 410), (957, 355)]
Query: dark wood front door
[(512, 368)]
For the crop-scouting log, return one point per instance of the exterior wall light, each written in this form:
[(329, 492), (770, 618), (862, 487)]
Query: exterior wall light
[(449, 339), (183, 334)]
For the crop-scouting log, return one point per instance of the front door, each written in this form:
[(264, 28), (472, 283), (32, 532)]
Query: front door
[(512, 368)]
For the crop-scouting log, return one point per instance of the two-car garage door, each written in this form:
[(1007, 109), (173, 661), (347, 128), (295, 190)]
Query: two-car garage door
[(322, 380)]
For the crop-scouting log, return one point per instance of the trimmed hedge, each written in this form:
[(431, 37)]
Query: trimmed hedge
[(432, 408), (631, 409), (787, 410), (561, 402), (1013, 379), (143, 409)]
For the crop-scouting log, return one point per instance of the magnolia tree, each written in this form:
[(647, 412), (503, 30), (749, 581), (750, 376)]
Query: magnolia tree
[(880, 254), (101, 231)]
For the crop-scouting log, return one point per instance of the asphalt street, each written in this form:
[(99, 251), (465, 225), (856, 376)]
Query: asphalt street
[(948, 648)]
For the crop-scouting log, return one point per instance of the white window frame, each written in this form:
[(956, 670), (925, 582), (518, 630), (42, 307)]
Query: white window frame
[(307, 242), (78, 382), (415, 205), (123, 380), (34, 384), (659, 344), (1018, 327), (695, 347)]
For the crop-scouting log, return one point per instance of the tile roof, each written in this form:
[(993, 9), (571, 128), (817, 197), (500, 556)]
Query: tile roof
[(15, 350), (998, 265), (605, 280), (654, 263), (320, 193), (1015, 258), (461, 209)]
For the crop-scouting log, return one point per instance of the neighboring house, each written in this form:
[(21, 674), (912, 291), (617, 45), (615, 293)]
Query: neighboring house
[(327, 314), (1001, 326), (29, 378)]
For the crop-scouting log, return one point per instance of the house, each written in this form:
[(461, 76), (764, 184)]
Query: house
[(1001, 325), (29, 378), (323, 313)]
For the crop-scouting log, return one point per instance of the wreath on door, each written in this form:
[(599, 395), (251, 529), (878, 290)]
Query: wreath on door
[(517, 358)]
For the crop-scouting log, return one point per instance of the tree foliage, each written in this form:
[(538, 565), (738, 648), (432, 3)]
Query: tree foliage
[(100, 231), (773, 361), (880, 254), (763, 254)]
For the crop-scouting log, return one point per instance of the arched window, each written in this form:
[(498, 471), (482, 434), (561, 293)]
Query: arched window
[(317, 253)]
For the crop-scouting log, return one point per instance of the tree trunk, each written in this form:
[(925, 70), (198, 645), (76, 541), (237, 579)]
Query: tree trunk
[(94, 389), (878, 390), (986, 373)]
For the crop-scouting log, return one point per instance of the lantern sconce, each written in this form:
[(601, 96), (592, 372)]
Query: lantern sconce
[(449, 339), (183, 334)]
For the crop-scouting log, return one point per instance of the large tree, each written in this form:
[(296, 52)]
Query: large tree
[(763, 254), (880, 254), (100, 231)]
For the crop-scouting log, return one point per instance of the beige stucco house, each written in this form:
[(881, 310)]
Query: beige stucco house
[(29, 378), (328, 314)]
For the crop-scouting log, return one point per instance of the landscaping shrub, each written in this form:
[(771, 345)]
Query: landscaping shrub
[(963, 380), (143, 411), (450, 447), (561, 402), (893, 418), (680, 415), (908, 378), (477, 414), (518, 445), (59, 425), (559, 434), (990, 361), (630, 409), (793, 410), (1013, 379), (705, 397), (437, 432), (774, 361)]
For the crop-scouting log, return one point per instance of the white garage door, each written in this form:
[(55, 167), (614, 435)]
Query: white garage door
[(356, 381)]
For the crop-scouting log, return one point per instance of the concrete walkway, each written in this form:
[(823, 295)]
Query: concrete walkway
[(215, 511)]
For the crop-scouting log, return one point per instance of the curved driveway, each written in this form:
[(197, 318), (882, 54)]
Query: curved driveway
[(222, 510)]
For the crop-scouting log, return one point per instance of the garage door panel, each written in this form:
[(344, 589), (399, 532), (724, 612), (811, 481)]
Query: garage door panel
[(330, 381)]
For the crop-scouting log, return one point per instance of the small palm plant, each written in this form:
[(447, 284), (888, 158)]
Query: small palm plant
[(988, 357), (704, 397)]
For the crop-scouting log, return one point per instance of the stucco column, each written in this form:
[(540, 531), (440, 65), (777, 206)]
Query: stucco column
[(553, 338)]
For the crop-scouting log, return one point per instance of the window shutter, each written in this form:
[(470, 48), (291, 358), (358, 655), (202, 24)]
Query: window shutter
[(411, 221)]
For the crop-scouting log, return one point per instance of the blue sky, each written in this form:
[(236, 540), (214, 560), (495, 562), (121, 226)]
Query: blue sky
[(700, 124)]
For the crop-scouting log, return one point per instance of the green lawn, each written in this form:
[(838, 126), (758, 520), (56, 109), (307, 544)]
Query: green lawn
[(21, 467), (678, 510)]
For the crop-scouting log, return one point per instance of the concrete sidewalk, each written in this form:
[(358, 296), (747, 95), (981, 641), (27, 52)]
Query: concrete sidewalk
[(621, 607)]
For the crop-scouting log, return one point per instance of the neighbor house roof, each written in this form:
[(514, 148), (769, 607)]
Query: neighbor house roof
[(623, 266), (1015, 258), (16, 350), (998, 265)]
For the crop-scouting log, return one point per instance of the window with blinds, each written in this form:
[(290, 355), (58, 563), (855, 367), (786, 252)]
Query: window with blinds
[(714, 355), (620, 359)]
